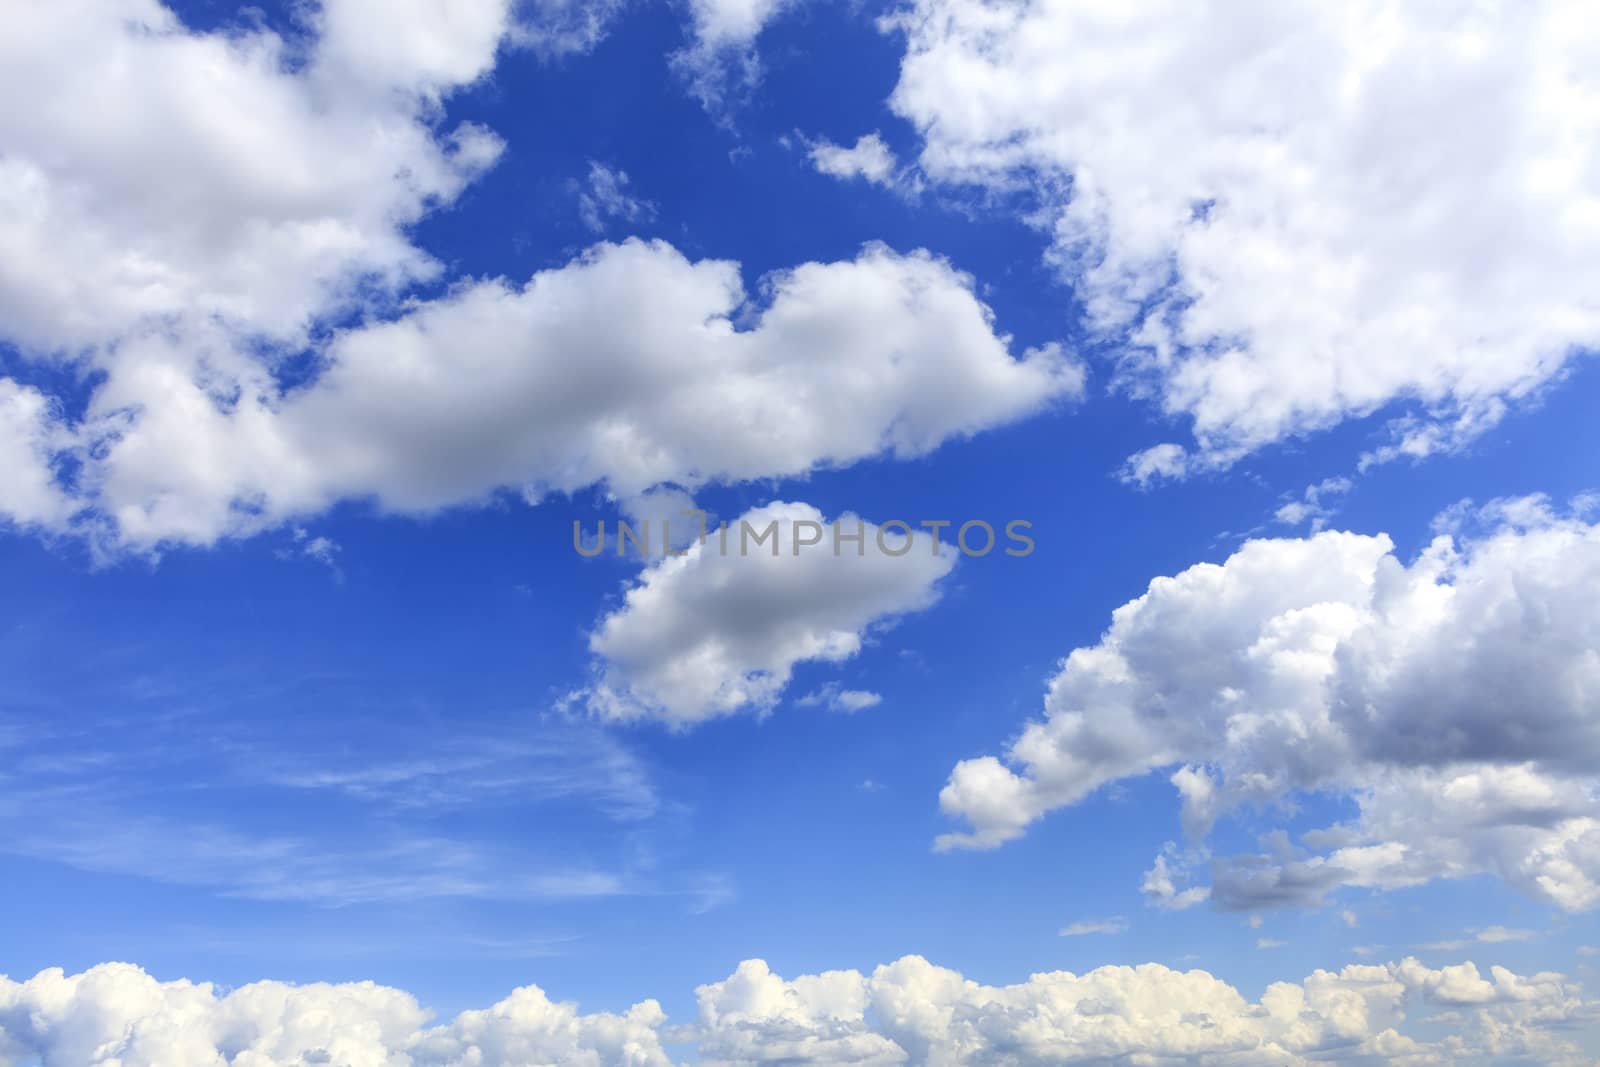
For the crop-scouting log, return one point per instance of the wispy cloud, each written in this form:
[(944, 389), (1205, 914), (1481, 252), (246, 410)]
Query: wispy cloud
[(1083, 927)]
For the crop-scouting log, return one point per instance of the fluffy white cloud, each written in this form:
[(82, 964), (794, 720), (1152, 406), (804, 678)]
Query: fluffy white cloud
[(159, 173), (179, 208), (115, 1015), (1453, 699), (602, 371), (868, 158), (414, 45), (29, 494), (1292, 213), (719, 629), (909, 1011)]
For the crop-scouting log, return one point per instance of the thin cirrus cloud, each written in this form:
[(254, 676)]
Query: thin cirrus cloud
[(390, 799), (1329, 664), (908, 1011), (1289, 215)]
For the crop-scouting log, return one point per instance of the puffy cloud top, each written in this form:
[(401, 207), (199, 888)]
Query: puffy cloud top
[(1292, 213)]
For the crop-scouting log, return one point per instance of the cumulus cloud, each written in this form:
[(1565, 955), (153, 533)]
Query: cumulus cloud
[(478, 391), (913, 1012), (185, 264), (720, 629), (163, 173), (1452, 699), (869, 158), (906, 1012), (116, 1015), (29, 494), (1294, 214)]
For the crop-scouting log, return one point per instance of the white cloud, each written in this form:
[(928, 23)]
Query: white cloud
[(1158, 463), (161, 173), (415, 45), (1292, 215), (1085, 927), (476, 391), (605, 199), (847, 701), (1451, 699), (909, 1011), (555, 28), (912, 1012), (1496, 935), (718, 631), (1269, 943), (1313, 506), (29, 491), (721, 60), (868, 158), (116, 1015), (189, 205), (1160, 884)]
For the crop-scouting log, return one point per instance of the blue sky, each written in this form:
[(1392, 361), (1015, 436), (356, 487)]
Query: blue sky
[(310, 689)]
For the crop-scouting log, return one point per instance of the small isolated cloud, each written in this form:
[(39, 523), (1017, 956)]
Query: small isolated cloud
[(604, 198), (1161, 883), (719, 630), (1497, 935), (1156, 464), (847, 701), (869, 158), (1268, 942), (1313, 505), (1085, 927), (323, 550)]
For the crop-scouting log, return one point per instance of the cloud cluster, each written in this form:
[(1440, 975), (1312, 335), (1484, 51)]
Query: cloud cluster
[(720, 629), (906, 1012), (1452, 699), (1290, 214), (192, 209), (115, 1015)]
